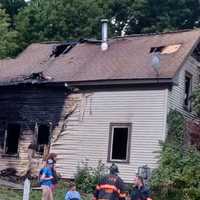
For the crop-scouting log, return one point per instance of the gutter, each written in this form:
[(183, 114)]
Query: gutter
[(114, 82), (167, 81)]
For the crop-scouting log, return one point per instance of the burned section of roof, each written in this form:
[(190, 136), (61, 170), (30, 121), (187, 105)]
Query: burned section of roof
[(126, 59), (168, 49), (62, 48), (39, 76)]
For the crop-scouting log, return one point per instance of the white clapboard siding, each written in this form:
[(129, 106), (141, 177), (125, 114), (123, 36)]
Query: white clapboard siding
[(176, 95), (87, 137)]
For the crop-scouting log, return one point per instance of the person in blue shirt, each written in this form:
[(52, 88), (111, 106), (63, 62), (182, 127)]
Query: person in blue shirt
[(72, 194), (46, 177)]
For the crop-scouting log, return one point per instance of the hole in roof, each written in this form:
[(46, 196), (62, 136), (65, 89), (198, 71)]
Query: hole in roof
[(165, 49), (62, 48)]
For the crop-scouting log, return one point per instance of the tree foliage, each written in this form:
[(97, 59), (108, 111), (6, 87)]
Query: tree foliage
[(42, 20), (12, 8), (72, 19), (162, 15), (8, 37), (59, 20)]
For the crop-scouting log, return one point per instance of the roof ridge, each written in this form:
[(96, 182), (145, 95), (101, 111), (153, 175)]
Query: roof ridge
[(153, 34)]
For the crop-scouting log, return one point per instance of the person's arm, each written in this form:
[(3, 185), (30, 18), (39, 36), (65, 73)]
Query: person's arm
[(96, 192), (122, 189), (46, 175), (67, 196), (79, 196)]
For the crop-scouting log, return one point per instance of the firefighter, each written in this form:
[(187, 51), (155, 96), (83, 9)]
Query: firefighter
[(111, 186)]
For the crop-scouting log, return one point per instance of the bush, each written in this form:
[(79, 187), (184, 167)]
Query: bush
[(196, 102), (87, 177), (178, 175)]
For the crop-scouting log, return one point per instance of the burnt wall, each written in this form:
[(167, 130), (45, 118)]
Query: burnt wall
[(27, 105)]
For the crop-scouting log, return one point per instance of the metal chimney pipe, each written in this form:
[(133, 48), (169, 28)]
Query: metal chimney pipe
[(104, 32)]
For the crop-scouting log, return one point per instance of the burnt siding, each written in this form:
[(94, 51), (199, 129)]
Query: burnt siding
[(27, 106)]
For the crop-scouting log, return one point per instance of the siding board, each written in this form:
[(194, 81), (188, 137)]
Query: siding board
[(90, 135)]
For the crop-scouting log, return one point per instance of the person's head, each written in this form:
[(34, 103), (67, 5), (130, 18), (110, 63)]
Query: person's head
[(50, 163), (138, 181), (72, 186), (52, 156), (114, 169)]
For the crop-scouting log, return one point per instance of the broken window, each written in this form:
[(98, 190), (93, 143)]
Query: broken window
[(165, 49), (11, 139), (196, 53), (188, 91), (2, 134), (119, 142), (43, 138)]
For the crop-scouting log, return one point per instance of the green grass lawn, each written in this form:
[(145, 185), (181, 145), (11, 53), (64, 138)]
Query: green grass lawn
[(9, 194)]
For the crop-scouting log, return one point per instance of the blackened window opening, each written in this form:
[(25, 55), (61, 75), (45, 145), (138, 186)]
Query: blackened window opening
[(188, 88), (43, 137), (120, 142), (12, 139)]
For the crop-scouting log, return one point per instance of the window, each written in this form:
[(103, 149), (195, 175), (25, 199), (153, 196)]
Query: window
[(43, 138), (11, 139), (188, 91), (119, 142), (196, 53)]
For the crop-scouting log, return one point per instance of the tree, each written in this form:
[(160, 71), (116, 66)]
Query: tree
[(59, 20), (12, 7), (8, 38), (162, 15)]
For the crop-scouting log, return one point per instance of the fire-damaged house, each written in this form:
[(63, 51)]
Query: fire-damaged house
[(95, 101)]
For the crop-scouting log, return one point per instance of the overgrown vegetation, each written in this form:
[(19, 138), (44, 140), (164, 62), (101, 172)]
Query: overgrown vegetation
[(87, 177), (178, 175)]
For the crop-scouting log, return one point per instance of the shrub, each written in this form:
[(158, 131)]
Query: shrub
[(87, 177), (178, 175)]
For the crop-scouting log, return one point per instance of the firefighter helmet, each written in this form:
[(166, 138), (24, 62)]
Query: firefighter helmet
[(114, 169)]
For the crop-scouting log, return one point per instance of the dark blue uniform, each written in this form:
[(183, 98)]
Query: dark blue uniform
[(141, 193)]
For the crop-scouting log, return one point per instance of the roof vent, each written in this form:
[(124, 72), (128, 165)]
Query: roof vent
[(104, 32)]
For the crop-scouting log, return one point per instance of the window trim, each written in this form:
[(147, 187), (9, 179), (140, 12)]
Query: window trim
[(128, 150), (188, 107)]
